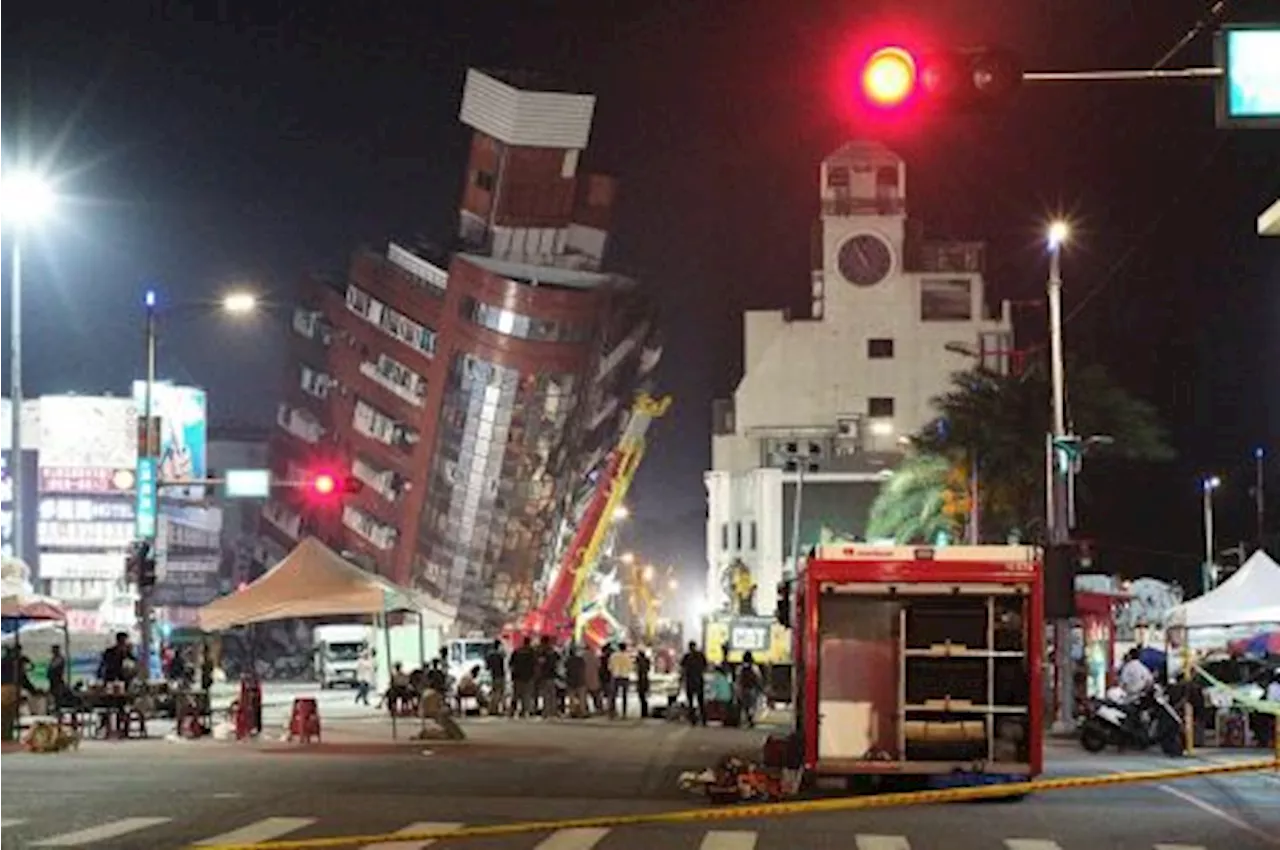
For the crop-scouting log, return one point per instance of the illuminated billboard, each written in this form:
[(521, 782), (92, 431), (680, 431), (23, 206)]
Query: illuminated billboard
[(183, 435), (1249, 89), (87, 432)]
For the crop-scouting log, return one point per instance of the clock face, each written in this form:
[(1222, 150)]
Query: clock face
[(865, 260)]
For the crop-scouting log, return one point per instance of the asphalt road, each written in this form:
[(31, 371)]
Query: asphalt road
[(161, 794)]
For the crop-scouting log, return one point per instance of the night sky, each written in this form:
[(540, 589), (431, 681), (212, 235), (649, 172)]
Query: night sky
[(205, 145)]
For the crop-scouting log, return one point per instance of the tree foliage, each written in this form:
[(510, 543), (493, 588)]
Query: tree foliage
[(925, 497), (1001, 421)]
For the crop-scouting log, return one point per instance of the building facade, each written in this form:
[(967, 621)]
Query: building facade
[(473, 390), (80, 506), (826, 403)]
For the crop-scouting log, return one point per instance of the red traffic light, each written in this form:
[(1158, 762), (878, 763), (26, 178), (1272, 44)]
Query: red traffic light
[(324, 484), (889, 77)]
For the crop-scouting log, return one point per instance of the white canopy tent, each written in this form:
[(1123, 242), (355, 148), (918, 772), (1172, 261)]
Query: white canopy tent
[(1250, 597)]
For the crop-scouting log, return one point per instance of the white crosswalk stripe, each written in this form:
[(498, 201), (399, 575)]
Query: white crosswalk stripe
[(1179, 847), (263, 830), (724, 839), (882, 842), (14, 822), (425, 826), (572, 839), (1031, 844), (102, 832)]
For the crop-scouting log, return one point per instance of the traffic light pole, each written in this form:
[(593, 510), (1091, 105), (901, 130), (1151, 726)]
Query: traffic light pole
[(145, 587)]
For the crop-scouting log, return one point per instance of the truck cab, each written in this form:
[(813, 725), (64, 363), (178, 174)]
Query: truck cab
[(337, 650), (468, 652)]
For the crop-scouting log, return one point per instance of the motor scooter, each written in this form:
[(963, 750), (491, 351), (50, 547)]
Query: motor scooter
[(1133, 723)]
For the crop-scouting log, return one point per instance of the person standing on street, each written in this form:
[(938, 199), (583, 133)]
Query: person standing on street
[(523, 664), (621, 668), (693, 670), (591, 679), (496, 663), (643, 666), (364, 677)]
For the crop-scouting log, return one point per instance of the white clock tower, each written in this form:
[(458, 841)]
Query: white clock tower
[(828, 400)]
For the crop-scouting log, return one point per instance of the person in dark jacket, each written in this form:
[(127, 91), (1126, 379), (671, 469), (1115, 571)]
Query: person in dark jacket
[(693, 670), (643, 666), (523, 668)]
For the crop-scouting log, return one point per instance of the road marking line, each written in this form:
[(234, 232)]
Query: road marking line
[(104, 832), (882, 842), (729, 839), (1031, 844), (227, 795), (1179, 847), (424, 826), (14, 822), (572, 839), (1273, 840), (263, 830)]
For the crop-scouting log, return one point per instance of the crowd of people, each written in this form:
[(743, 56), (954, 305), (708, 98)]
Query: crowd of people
[(541, 679)]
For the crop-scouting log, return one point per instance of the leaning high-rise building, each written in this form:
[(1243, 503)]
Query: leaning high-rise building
[(473, 390)]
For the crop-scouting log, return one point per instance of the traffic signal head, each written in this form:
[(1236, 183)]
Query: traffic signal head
[(324, 484), (889, 77), (894, 81)]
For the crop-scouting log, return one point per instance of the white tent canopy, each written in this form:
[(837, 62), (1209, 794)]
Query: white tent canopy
[(1250, 597)]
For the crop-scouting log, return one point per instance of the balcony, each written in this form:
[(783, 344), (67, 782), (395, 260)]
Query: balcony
[(396, 378), (315, 383), (429, 276), (383, 481), (311, 324), (300, 423), (286, 521), (380, 535), (376, 425), (848, 206)]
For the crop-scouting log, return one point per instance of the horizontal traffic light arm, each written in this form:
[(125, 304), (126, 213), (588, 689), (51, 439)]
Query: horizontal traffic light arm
[(1121, 76)]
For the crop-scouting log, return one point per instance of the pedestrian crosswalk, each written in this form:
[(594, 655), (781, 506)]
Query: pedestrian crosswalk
[(170, 832)]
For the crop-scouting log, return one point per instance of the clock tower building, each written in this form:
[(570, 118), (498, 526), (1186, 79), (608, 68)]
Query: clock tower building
[(825, 402)]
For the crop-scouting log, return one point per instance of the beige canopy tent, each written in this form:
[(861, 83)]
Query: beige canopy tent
[(312, 581), (315, 581)]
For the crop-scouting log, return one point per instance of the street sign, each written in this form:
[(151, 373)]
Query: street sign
[(247, 483), (160, 552), (146, 501), (1248, 95)]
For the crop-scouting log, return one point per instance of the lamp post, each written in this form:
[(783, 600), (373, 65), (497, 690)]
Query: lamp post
[(1207, 487), (1259, 500), (27, 199), (1057, 520), (147, 482)]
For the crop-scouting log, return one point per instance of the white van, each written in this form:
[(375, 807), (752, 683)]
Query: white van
[(337, 651)]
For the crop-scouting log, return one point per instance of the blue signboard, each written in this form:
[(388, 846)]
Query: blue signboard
[(146, 499), (1249, 94)]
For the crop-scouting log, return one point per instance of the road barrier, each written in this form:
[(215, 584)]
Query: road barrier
[(769, 810)]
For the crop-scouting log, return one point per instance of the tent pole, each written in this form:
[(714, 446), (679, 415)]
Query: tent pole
[(386, 641)]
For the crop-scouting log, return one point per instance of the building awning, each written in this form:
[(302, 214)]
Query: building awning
[(1269, 221)]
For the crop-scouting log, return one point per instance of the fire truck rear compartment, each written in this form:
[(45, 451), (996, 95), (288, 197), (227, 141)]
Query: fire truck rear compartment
[(923, 679)]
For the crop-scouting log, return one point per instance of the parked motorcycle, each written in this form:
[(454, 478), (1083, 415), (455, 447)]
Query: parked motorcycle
[(1134, 724)]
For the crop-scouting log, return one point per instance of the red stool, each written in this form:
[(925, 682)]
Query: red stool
[(304, 721)]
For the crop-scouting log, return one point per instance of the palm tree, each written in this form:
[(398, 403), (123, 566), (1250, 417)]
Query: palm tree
[(1001, 421), (923, 499)]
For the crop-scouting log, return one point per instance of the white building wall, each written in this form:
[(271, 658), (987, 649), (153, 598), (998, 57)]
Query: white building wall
[(814, 378)]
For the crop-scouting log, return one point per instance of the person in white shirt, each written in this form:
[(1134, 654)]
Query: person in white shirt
[(1135, 678), (622, 667)]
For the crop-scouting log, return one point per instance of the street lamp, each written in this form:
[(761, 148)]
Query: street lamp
[(1056, 492), (1207, 487), (26, 199), (620, 513), (147, 481)]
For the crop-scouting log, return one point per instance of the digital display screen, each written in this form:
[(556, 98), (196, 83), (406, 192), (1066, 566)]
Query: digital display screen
[(1250, 60)]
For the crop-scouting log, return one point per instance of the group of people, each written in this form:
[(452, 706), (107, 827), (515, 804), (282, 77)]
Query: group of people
[(550, 681)]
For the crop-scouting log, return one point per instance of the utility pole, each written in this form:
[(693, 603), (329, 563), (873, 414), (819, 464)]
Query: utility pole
[(147, 528), (1057, 498)]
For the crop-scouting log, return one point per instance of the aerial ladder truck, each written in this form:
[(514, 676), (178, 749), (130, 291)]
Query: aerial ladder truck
[(562, 614)]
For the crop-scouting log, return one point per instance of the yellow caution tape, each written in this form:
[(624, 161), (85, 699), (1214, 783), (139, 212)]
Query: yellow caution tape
[(767, 810), (1261, 706)]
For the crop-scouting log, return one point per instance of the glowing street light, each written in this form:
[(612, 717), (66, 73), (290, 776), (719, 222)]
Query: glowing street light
[(1058, 234), (628, 558), (27, 198), (1209, 484), (620, 513), (240, 302)]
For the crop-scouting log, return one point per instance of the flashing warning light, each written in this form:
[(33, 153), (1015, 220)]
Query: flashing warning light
[(889, 77), (324, 484)]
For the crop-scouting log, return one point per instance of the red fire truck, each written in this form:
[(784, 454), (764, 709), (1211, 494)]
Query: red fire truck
[(916, 661)]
